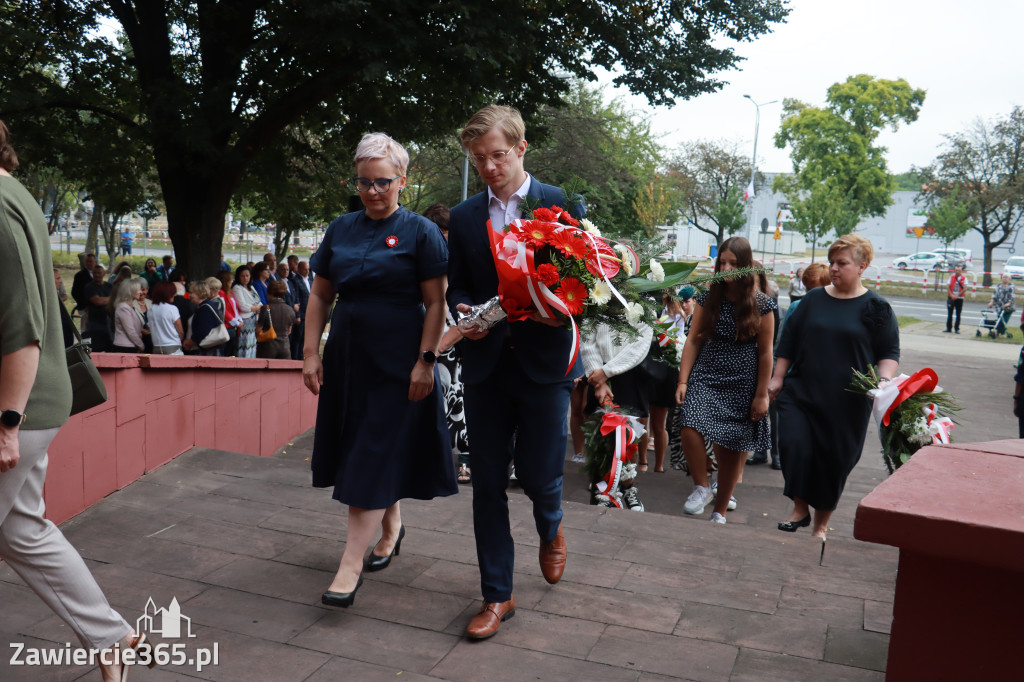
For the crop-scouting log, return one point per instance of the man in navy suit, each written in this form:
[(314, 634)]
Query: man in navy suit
[(516, 384), (300, 289)]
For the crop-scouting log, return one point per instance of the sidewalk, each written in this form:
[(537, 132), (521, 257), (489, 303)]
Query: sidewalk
[(246, 547)]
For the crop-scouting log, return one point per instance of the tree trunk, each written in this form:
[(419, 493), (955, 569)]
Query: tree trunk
[(94, 224), (196, 208)]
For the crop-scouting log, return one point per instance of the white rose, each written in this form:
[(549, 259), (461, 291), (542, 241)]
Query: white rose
[(601, 293), (656, 273), (634, 311), (590, 227)]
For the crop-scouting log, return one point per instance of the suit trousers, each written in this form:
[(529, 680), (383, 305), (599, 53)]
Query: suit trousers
[(507, 405), (43, 557)]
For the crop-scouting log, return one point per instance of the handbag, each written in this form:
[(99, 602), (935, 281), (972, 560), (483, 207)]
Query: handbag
[(87, 388), (268, 333), (219, 334)]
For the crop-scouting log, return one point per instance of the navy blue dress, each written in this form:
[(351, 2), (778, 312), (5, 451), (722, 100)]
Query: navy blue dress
[(372, 443)]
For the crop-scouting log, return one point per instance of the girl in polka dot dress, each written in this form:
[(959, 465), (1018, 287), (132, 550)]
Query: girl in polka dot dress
[(723, 379)]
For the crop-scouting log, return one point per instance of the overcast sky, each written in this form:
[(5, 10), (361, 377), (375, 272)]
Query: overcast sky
[(966, 55)]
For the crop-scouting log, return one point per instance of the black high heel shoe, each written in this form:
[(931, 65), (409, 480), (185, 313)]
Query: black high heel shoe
[(341, 599), (379, 563), (791, 526)]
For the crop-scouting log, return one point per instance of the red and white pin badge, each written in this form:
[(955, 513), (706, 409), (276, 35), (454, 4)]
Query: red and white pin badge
[(391, 241)]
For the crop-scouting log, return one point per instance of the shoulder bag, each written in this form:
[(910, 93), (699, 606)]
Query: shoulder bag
[(219, 333), (87, 388), (267, 333)]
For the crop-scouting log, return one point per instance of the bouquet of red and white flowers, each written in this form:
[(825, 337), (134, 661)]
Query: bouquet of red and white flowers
[(612, 439), (552, 266)]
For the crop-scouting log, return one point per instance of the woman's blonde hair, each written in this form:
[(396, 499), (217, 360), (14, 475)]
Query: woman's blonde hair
[(860, 247), (199, 289), (214, 284), (381, 146)]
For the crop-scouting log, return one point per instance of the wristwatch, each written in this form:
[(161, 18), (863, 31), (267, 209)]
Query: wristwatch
[(429, 357), (11, 418)]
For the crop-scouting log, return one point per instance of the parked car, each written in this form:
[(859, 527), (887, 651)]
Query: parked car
[(925, 260), (1014, 267), (952, 256)]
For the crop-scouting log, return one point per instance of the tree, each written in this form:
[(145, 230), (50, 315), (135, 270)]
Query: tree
[(653, 206), (216, 83), (818, 212), (708, 177), (984, 167), (950, 218), (837, 164)]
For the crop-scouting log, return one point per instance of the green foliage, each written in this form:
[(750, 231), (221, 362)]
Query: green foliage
[(983, 167), (708, 179), (836, 162), (951, 218), (818, 213), (207, 87)]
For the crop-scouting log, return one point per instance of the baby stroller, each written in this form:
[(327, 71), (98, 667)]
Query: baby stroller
[(994, 323)]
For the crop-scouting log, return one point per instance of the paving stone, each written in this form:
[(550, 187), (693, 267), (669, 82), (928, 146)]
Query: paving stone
[(857, 647), (176, 475), (795, 636), (230, 509), (145, 495), (545, 632), (305, 522), (829, 608), (273, 579), (250, 614), (320, 554), (34, 673), (407, 605), (21, 609), (618, 607), (694, 586), (491, 660), (230, 537), (159, 555), (315, 499), (345, 634), (753, 665), (878, 617), (347, 669), (684, 657)]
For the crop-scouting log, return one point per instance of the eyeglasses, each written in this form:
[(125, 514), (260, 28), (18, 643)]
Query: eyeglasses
[(497, 158), (382, 185)]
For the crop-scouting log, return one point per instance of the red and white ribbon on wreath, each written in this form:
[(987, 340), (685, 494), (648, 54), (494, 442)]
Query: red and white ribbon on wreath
[(939, 427), (619, 424)]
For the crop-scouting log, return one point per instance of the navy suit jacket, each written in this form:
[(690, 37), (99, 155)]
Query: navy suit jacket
[(301, 295), (543, 350)]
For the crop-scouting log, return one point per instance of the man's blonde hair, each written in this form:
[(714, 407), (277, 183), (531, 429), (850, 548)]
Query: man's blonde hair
[(507, 119)]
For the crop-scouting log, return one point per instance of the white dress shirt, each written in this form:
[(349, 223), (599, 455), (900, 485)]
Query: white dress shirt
[(503, 214)]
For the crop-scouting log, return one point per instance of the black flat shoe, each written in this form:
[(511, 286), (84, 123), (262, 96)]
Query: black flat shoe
[(341, 599), (758, 458), (379, 563), (791, 526)]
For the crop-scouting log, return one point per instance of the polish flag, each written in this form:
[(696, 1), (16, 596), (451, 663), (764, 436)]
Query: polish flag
[(749, 194)]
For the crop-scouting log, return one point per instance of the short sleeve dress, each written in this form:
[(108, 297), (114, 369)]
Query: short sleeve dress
[(722, 384), (822, 426), (372, 443)]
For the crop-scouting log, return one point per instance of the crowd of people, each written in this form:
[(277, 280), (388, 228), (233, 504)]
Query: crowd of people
[(255, 311), (401, 388)]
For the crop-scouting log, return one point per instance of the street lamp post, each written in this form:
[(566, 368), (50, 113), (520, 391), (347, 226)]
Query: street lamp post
[(753, 162)]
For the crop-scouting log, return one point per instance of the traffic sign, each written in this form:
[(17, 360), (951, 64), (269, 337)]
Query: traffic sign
[(778, 233)]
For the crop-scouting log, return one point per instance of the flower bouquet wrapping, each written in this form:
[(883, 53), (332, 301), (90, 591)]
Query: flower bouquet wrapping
[(911, 412), (612, 437), (552, 266)]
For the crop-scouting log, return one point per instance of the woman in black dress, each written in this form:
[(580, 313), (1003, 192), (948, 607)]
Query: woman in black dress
[(380, 428), (836, 329)]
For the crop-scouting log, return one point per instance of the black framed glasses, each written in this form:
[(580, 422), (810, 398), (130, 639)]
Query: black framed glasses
[(497, 158), (382, 185)]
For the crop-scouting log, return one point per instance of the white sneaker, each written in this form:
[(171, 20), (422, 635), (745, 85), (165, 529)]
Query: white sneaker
[(578, 458), (698, 499), (632, 499), (512, 475), (732, 500), (717, 518)]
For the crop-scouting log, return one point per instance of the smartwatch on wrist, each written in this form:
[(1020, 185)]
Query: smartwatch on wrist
[(429, 357), (11, 418)]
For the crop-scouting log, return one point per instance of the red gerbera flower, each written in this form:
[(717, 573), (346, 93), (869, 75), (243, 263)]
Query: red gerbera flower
[(572, 293), (547, 274), (536, 233), (546, 214), (569, 220), (569, 243)]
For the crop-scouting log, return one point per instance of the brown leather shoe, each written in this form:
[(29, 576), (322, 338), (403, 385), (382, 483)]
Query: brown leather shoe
[(552, 558), (490, 618)]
